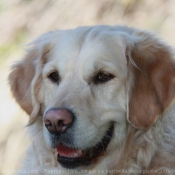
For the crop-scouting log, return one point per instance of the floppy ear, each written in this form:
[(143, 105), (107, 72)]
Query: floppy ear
[(25, 78), (152, 86)]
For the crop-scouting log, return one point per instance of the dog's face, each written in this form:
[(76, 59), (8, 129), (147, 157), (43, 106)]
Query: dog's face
[(88, 83)]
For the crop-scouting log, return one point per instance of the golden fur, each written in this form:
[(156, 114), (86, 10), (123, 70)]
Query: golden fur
[(139, 100)]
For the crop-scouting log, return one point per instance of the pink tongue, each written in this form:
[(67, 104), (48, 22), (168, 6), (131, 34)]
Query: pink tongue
[(65, 151)]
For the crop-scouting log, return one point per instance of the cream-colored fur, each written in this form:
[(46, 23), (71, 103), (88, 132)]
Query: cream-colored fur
[(138, 100)]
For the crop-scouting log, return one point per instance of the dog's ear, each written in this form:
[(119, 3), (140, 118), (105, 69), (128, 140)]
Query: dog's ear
[(25, 77), (152, 79)]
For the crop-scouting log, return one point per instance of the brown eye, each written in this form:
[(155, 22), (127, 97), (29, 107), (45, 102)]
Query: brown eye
[(103, 77), (54, 77)]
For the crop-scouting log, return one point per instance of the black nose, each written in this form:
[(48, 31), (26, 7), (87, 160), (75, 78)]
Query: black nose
[(58, 120)]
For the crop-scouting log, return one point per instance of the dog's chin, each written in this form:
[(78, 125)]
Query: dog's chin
[(72, 158)]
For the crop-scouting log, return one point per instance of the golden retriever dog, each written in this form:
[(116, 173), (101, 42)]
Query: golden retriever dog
[(100, 101)]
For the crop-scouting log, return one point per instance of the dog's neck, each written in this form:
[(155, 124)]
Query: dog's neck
[(150, 149)]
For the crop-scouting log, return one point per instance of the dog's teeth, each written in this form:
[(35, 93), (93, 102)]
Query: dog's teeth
[(75, 155)]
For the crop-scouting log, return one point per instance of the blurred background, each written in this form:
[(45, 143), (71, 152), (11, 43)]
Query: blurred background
[(21, 21)]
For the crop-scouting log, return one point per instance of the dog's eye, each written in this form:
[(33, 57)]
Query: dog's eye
[(54, 77), (103, 77)]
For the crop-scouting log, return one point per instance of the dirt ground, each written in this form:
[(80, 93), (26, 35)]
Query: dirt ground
[(23, 20)]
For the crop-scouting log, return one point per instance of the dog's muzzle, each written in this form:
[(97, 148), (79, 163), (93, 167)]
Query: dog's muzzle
[(74, 157), (58, 122)]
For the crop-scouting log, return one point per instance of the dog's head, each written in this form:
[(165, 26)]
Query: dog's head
[(89, 83)]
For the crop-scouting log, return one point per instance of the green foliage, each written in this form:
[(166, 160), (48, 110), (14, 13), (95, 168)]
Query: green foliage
[(9, 48)]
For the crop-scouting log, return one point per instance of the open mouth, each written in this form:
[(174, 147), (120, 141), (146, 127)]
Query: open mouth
[(73, 157)]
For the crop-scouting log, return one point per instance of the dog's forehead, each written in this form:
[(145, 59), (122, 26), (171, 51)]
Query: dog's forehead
[(86, 49)]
